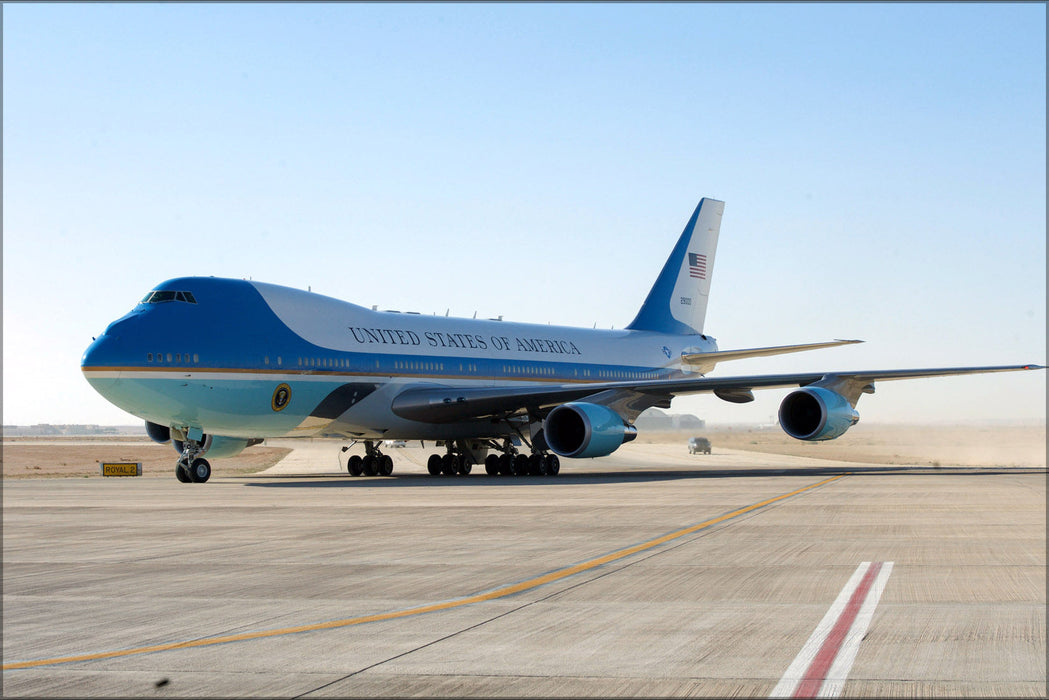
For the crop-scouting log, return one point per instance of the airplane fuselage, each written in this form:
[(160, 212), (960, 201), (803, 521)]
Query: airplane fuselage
[(247, 359)]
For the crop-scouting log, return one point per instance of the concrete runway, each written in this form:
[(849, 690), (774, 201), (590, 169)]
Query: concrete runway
[(305, 581)]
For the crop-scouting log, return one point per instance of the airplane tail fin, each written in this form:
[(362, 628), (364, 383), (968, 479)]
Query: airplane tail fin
[(677, 302)]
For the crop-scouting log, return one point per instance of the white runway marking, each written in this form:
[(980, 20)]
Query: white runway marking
[(823, 664)]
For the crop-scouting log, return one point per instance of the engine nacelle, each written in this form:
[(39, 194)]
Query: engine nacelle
[(815, 413), (216, 446), (580, 429), (158, 433)]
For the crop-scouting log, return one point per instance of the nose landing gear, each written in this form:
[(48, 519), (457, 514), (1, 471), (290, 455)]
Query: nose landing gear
[(190, 468)]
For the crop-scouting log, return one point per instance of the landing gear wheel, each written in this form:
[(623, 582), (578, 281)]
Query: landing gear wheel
[(542, 465), (200, 471), (433, 465), (385, 465), (449, 464), (371, 468), (354, 465), (464, 465), (506, 465), (182, 475), (553, 466), (491, 465), (520, 465)]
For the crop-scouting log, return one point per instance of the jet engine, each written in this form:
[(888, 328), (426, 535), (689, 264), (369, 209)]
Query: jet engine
[(815, 413), (579, 429), (216, 446), (158, 433)]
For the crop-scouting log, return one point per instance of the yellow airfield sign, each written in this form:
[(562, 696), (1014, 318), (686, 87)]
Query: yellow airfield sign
[(121, 468)]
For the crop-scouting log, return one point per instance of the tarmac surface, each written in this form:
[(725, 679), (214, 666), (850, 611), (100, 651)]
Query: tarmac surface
[(647, 573)]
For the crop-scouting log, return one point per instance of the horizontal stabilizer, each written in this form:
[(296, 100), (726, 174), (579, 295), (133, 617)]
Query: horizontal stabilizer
[(705, 361)]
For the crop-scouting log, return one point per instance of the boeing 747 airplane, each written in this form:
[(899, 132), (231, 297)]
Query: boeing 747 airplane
[(216, 365)]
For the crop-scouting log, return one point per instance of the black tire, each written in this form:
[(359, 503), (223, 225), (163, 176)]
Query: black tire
[(433, 465), (544, 465), (371, 467), (200, 471), (354, 465), (521, 465), (506, 465), (465, 466), (553, 466), (449, 464), (491, 465), (182, 475), (385, 465)]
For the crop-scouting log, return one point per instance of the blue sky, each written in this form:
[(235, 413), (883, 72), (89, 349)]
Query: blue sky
[(883, 168)]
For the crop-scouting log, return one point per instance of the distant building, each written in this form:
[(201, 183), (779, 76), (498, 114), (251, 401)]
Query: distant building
[(49, 430), (654, 419)]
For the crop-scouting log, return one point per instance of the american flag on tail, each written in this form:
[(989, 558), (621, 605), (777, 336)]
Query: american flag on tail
[(697, 266)]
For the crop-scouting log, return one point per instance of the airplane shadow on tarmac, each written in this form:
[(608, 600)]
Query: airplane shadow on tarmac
[(617, 477)]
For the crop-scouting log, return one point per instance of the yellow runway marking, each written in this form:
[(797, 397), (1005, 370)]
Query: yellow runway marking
[(435, 607)]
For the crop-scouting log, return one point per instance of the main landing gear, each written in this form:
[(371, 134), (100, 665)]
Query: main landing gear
[(510, 463), (451, 463), (536, 464), (459, 460), (374, 462), (190, 468)]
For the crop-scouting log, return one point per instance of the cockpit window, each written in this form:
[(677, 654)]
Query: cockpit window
[(161, 297)]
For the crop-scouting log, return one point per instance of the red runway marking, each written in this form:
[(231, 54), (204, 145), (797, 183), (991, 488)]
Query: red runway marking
[(817, 671), (822, 666)]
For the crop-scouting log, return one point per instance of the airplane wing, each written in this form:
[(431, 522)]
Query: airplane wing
[(432, 403)]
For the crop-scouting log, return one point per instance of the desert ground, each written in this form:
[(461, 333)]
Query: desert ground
[(56, 457), (929, 445), (921, 445)]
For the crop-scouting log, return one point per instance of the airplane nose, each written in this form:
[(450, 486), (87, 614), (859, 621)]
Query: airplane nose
[(93, 356), (105, 350)]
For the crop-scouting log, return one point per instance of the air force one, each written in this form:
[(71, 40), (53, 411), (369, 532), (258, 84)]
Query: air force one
[(216, 365)]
